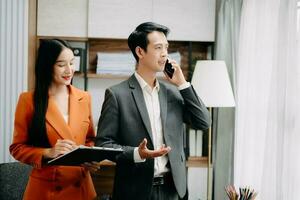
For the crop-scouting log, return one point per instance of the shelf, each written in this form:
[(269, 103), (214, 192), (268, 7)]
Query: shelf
[(199, 50), (194, 161), (101, 76), (108, 76), (78, 74), (75, 39), (93, 74)]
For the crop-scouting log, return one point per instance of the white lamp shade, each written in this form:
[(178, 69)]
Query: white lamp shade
[(211, 82)]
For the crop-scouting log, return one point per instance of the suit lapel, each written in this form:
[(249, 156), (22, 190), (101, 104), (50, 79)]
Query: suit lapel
[(74, 110), (162, 95), (56, 120), (137, 94)]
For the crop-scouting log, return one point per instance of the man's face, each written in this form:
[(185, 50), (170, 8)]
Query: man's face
[(157, 52)]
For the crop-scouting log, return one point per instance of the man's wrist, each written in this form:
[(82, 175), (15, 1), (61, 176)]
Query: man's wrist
[(136, 156), (184, 86)]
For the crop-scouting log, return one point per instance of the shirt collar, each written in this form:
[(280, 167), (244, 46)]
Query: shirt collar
[(144, 84)]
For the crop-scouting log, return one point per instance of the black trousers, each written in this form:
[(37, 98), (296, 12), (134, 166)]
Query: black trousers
[(164, 190)]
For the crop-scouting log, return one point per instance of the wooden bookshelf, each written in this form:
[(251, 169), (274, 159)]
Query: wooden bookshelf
[(199, 52)]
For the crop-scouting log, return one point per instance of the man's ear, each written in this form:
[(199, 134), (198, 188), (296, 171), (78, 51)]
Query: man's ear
[(139, 52)]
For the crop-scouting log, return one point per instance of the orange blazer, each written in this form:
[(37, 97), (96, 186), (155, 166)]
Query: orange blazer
[(55, 182)]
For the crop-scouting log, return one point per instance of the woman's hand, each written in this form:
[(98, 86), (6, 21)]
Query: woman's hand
[(61, 147)]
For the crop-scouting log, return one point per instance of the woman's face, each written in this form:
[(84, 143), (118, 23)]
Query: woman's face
[(64, 68)]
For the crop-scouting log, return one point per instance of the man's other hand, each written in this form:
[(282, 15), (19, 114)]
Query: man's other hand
[(147, 153)]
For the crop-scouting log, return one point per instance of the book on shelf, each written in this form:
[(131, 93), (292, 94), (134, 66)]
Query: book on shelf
[(83, 154), (115, 63), (121, 63), (195, 142), (192, 142)]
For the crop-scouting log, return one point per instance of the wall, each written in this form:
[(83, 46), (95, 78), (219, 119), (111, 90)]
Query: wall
[(13, 66), (97, 89)]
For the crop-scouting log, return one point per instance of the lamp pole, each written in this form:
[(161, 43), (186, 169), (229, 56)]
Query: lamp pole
[(212, 84), (209, 158)]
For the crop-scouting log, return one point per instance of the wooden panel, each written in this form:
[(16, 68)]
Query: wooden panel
[(189, 20), (62, 18), (117, 18)]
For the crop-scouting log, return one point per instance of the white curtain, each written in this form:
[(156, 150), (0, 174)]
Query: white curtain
[(228, 21), (267, 140)]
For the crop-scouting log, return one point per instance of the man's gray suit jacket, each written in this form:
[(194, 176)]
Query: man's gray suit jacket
[(124, 123)]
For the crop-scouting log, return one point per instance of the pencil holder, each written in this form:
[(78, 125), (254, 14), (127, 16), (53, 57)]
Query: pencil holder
[(243, 194)]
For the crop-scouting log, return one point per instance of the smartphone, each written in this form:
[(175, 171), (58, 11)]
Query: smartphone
[(168, 69)]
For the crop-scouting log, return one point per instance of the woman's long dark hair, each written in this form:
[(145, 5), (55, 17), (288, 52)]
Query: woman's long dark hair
[(48, 53)]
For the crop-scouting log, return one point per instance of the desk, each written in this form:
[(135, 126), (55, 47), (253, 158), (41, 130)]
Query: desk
[(103, 179)]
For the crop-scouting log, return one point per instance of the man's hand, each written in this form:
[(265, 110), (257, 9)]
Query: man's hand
[(146, 153), (178, 77), (91, 166)]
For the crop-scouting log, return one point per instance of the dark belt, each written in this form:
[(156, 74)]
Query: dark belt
[(161, 180)]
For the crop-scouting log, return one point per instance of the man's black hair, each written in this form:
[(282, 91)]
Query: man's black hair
[(139, 36)]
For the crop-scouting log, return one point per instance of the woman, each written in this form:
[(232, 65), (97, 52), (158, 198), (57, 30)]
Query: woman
[(50, 121)]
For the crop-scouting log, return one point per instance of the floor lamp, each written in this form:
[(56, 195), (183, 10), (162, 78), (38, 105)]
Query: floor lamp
[(211, 82)]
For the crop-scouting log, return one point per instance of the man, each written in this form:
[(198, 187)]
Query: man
[(145, 117)]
